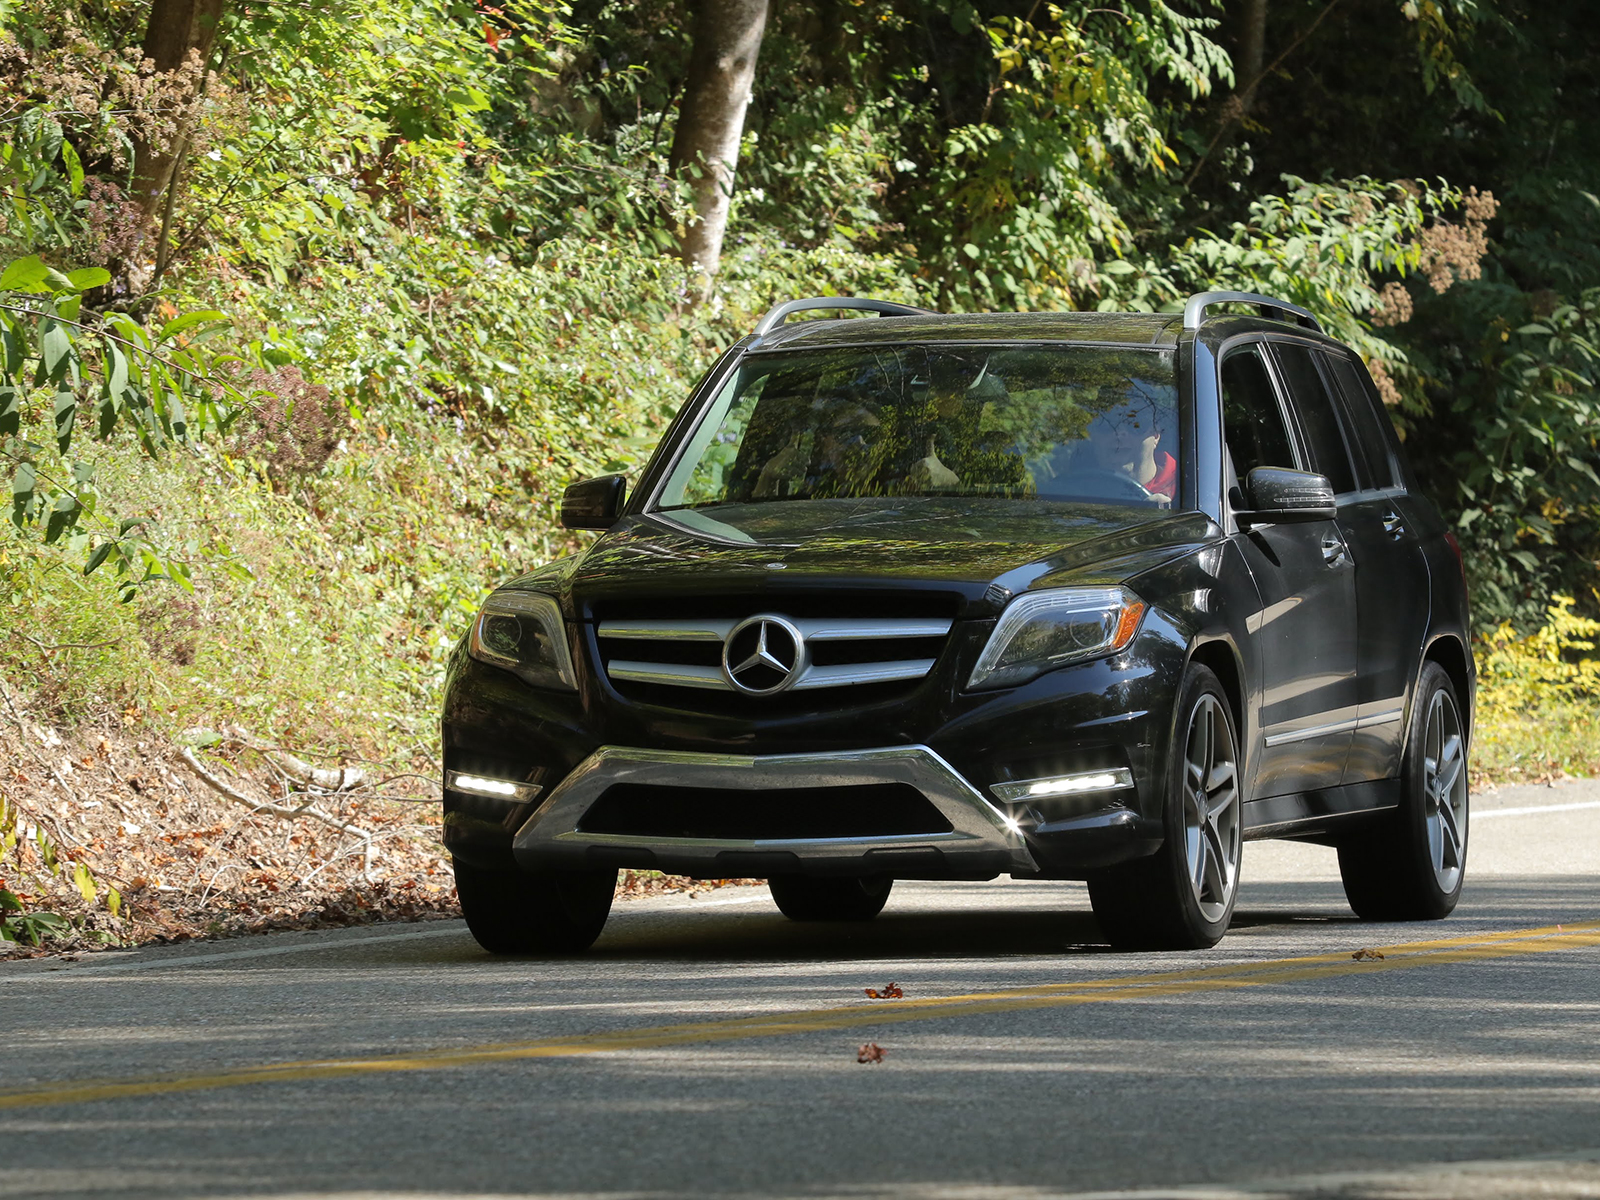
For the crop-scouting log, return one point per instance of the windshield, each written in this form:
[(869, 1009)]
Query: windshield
[(1050, 423)]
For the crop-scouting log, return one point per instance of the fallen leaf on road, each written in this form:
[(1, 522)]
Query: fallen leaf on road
[(1367, 955), (892, 992), (870, 1052)]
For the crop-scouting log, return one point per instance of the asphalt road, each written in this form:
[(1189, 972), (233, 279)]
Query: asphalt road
[(709, 1047)]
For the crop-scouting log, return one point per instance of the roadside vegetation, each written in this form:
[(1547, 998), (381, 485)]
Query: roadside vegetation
[(309, 312)]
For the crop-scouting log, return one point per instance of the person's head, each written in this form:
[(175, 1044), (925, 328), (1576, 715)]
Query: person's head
[(847, 440), (1124, 433)]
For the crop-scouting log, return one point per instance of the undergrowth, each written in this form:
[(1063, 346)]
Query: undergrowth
[(1539, 700)]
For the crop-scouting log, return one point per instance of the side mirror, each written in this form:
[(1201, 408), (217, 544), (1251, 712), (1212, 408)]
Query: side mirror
[(594, 503), (1279, 496)]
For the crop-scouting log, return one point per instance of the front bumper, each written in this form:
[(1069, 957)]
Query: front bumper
[(981, 841), (957, 749)]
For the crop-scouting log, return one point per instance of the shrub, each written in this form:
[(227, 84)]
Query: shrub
[(1539, 698)]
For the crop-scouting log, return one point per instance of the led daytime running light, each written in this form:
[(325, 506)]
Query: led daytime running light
[(483, 785), (1023, 790)]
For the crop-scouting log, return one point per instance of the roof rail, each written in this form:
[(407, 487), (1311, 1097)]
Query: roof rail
[(1281, 310), (778, 313)]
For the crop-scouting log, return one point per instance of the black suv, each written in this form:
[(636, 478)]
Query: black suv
[(1056, 595)]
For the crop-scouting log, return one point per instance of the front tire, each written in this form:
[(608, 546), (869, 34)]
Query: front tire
[(801, 898), (534, 912), (1182, 897), (1410, 867)]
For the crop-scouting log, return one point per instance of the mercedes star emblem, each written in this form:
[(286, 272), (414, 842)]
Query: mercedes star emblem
[(763, 655)]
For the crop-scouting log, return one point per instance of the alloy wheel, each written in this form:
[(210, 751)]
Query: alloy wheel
[(1213, 830), (1444, 791)]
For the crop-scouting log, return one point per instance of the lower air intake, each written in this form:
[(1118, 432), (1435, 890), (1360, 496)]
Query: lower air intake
[(719, 814)]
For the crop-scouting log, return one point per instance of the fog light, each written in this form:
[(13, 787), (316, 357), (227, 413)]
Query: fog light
[(482, 785), (1023, 790)]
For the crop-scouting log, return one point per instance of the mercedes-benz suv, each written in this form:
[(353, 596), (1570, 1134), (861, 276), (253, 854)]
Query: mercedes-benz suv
[(1093, 596)]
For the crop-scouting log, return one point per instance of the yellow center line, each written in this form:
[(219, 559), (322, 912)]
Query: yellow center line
[(1272, 972)]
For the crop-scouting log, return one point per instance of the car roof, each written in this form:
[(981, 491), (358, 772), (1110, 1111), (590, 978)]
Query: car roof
[(1132, 329)]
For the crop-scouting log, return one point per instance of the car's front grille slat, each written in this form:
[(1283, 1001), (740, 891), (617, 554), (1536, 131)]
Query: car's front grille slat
[(847, 674), (826, 629), (687, 652), (666, 631), (673, 674)]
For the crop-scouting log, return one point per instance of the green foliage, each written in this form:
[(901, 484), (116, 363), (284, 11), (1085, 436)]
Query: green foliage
[(68, 374), (1537, 697), (1012, 207), (20, 922), (1533, 469), (1324, 246), (41, 178), (456, 221), (1487, 95)]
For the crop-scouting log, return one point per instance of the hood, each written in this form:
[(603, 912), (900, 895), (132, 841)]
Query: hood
[(977, 551)]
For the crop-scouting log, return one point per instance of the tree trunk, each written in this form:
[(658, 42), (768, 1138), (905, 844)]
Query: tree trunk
[(1252, 51), (1248, 68), (180, 32), (705, 148)]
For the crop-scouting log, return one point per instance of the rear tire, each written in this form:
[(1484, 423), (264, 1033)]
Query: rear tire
[(1182, 897), (1411, 865), (534, 912), (801, 898)]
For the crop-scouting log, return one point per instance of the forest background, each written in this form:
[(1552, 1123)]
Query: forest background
[(310, 309)]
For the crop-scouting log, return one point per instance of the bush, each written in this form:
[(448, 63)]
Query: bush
[(1539, 699)]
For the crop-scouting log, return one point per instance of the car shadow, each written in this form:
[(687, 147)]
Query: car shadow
[(723, 934)]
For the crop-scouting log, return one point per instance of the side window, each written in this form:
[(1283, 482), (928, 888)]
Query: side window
[(1252, 422), (1365, 414), (1318, 419)]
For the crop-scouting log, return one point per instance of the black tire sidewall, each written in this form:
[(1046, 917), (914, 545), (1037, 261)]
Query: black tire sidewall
[(523, 912), (848, 898), (1415, 854), (1199, 681)]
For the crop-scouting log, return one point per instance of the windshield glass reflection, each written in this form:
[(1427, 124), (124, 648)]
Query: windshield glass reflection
[(1052, 423)]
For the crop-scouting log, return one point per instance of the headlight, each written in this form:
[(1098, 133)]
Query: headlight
[(523, 632), (1048, 629)]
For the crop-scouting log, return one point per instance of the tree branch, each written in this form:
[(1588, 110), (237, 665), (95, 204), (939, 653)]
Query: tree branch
[(278, 810)]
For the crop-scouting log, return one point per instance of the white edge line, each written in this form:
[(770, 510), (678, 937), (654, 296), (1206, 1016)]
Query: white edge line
[(1533, 809), (185, 960)]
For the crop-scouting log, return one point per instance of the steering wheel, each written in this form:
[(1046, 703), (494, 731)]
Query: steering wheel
[(1109, 485)]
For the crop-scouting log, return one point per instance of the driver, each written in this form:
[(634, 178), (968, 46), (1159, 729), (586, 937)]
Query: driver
[(1126, 438)]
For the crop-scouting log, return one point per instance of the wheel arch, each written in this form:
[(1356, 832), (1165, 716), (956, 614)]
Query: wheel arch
[(1223, 661), (1452, 655)]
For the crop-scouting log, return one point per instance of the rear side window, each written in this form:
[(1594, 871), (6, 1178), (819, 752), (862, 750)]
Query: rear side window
[(1371, 438), (1252, 421), (1318, 419)]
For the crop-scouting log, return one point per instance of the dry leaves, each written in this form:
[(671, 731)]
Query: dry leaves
[(870, 1052), (1367, 955), (190, 864), (891, 992)]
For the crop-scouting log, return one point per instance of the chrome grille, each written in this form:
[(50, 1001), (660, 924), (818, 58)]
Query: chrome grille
[(688, 652)]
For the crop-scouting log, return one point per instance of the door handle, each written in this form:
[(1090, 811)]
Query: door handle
[(1333, 552), (1393, 525)]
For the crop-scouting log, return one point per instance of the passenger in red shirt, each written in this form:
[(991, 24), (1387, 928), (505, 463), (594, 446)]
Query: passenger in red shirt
[(1126, 439)]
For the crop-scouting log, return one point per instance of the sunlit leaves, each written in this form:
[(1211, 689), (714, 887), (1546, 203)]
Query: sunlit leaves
[(166, 391), (1032, 185), (24, 275)]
